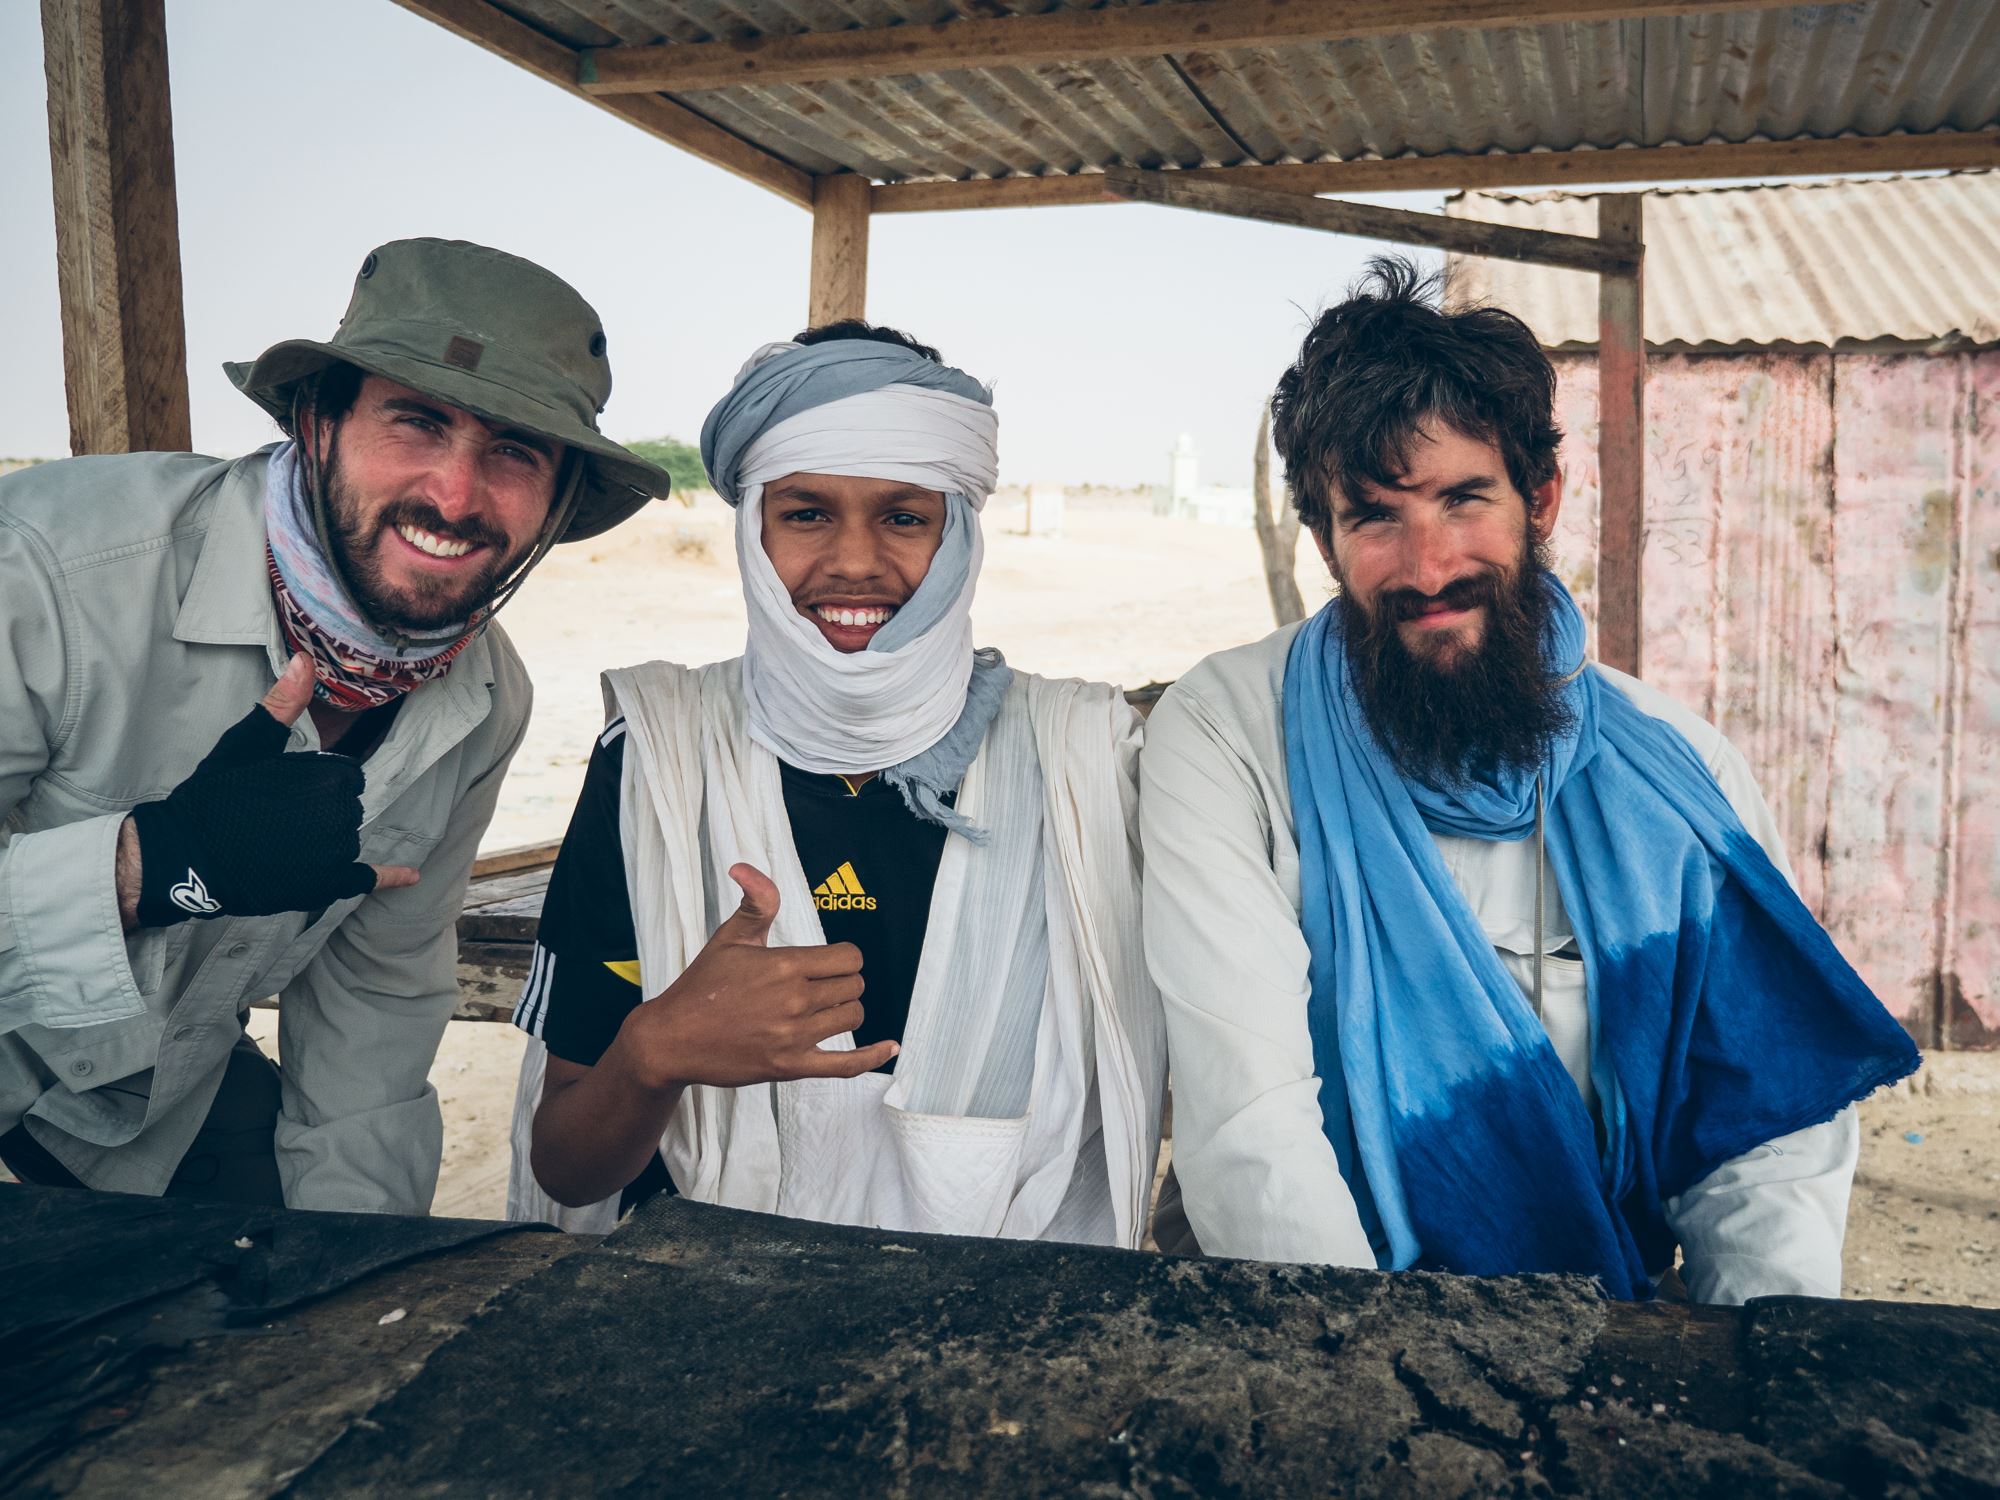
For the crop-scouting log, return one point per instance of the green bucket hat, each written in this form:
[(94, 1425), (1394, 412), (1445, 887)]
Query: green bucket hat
[(489, 333)]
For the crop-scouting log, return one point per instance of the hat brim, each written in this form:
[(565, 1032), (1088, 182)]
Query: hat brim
[(616, 482)]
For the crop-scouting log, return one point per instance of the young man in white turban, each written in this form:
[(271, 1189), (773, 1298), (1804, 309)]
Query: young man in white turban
[(860, 796)]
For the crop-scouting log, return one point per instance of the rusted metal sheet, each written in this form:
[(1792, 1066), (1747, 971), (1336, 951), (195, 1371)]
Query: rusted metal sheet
[(1811, 69), (1969, 965), (1909, 260), (1738, 582), (1575, 541), (1773, 647), (1822, 581), (1899, 426)]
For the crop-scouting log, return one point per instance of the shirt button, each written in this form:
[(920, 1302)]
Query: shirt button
[(237, 950), (82, 1067)]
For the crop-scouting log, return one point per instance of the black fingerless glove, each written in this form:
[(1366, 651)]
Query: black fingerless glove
[(252, 831)]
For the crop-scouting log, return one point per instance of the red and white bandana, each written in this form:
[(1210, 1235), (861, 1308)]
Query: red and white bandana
[(348, 678)]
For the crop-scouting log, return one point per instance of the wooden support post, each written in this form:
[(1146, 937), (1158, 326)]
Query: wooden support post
[(118, 253), (1621, 434), (840, 248)]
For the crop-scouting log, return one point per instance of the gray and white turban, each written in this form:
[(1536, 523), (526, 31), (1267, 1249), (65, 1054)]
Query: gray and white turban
[(916, 703)]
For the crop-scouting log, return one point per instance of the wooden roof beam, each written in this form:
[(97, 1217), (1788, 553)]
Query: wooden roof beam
[(1945, 149), (1573, 252), (552, 61), (1079, 35)]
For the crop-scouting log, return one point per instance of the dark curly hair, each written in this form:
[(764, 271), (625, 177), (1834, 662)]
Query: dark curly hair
[(328, 394), (1375, 370), (859, 328)]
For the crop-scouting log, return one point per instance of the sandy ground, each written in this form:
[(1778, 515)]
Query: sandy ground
[(1924, 1222), (1120, 597), (1126, 598)]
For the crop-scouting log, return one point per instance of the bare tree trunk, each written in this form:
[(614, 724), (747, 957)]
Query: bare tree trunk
[(1277, 531)]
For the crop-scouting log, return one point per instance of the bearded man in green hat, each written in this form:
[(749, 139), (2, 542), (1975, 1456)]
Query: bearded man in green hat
[(165, 858)]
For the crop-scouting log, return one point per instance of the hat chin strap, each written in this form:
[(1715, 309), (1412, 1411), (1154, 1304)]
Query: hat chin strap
[(569, 492)]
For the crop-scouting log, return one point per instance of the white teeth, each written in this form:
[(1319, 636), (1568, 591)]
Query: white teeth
[(834, 616), (436, 546)]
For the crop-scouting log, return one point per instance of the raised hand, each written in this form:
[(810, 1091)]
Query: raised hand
[(744, 1012), (254, 831)]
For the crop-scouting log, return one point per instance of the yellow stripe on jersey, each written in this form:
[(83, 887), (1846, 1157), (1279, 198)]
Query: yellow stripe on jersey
[(626, 969)]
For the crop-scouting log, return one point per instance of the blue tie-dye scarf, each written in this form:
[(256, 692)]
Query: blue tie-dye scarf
[(1721, 1014)]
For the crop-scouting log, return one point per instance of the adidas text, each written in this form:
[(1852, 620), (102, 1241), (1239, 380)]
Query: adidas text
[(831, 902)]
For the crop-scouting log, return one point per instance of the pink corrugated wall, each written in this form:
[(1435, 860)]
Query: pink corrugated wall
[(1822, 579)]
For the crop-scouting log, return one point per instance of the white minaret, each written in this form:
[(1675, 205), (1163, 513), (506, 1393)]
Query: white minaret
[(1183, 477)]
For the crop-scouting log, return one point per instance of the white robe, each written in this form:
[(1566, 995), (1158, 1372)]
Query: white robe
[(1256, 1177), (1026, 1100)]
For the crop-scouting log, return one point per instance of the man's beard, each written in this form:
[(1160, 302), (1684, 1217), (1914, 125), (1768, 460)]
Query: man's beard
[(1452, 715), (355, 539)]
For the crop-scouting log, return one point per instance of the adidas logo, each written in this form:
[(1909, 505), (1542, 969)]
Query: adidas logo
[(841, 891)]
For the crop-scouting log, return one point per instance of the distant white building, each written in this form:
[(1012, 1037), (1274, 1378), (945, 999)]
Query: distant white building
[(1046, 503), (1184, 498)]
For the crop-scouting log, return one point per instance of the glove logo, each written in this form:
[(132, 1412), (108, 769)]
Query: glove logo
[(192, 896)]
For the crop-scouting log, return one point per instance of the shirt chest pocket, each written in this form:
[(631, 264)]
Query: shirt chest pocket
[(381, 844), (85, 1057)]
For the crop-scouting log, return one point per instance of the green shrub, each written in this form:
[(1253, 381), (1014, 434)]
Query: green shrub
[(681, 461)]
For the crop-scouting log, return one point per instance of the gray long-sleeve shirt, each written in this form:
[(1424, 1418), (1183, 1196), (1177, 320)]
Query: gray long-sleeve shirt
[(136, 624), (1257, 1175)]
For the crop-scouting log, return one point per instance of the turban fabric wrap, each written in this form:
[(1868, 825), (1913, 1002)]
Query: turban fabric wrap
[(917, 702)]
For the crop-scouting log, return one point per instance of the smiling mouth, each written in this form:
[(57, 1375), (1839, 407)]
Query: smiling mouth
[(853, 618), (1441, 614), (432, 545)]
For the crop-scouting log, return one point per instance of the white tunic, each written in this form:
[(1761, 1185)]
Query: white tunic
[(1026, 1099), (1257, 1175)]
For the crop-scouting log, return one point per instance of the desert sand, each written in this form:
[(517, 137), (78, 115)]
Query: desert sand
[(1121, 596)]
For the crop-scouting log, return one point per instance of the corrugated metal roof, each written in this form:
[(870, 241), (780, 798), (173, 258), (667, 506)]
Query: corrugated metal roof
[(1813, 70), (1913, 260)]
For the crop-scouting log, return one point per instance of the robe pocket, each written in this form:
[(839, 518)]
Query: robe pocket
[(959, 1173), (833, 1150)]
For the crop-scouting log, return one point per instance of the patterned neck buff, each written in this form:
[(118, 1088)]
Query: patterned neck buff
[(355, 667)]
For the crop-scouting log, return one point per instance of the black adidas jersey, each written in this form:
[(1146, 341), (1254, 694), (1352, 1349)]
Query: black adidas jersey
[(871, 864)]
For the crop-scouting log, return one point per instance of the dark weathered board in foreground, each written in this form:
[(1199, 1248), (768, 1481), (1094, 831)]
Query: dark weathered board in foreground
[(699, 1351)]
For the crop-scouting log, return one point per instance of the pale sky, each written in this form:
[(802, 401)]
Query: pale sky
[(307, 133)]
